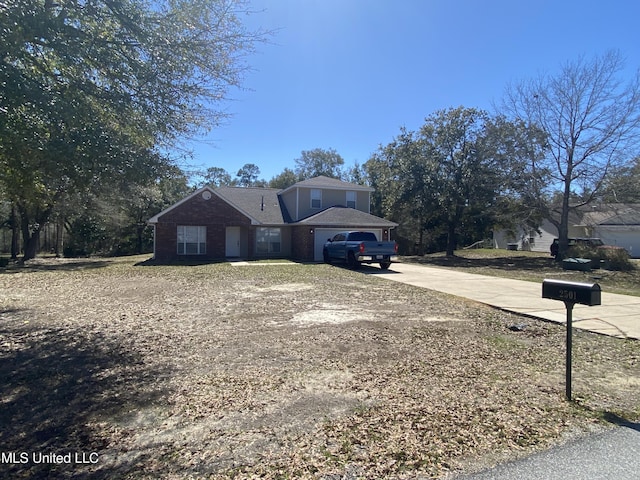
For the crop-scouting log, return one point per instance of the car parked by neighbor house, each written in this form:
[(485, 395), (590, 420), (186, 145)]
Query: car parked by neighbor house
[(355, 248)]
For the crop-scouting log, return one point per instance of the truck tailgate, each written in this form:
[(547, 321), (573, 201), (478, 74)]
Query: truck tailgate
[(379, 248)]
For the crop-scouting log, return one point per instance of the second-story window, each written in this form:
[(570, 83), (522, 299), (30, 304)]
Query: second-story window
[(316, 198), (351, 199)]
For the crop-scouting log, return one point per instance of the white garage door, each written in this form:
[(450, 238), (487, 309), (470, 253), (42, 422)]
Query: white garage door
[(629, 240), (322, 234)]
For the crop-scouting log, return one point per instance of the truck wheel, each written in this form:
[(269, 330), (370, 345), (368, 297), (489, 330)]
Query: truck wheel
[(351, 261), (385, 265), (326, 257)]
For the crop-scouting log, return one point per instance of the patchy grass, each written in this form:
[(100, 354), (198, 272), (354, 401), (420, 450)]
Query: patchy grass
[(282, 371), (531, 266)]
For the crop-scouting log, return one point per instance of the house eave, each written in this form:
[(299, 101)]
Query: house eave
[(371, 222)]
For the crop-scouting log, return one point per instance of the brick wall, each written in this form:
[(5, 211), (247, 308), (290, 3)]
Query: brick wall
[(214, 213), (302, 243)]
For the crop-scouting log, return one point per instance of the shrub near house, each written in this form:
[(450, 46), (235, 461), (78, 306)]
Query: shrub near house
[(610, 257)]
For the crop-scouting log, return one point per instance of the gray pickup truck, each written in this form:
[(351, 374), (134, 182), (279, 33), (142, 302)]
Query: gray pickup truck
[(355, 248)]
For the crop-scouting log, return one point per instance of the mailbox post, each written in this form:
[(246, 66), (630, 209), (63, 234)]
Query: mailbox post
[(571, 293)]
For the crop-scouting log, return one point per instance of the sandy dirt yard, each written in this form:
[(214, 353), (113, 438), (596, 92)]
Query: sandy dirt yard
[(116, 368)]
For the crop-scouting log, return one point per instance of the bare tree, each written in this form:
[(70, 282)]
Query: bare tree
[(591, 119)]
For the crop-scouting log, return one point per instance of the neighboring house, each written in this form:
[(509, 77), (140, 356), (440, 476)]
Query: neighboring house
[(247, 222), (529, 240), (614, 224)]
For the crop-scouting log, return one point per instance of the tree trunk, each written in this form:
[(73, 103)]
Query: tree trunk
[(59, 236), (563, 229), (420, 249), (31, 246), (30, 238), (30, 235), (139, 231), (31, 224), (15, 233), (451, 239)]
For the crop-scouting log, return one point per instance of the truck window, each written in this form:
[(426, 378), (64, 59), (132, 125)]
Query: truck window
[(363, 237)]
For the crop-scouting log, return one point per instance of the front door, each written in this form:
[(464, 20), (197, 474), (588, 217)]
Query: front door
[(232, 242)]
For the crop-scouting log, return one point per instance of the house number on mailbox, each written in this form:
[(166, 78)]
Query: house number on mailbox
[(567, 294)]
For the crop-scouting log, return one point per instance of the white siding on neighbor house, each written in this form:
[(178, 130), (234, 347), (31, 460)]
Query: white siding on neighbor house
[(527, 240), (544, 239), (627, 237)]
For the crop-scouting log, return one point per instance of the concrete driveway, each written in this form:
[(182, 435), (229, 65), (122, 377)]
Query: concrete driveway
[(618, 316), (610, 455), (613, 454)]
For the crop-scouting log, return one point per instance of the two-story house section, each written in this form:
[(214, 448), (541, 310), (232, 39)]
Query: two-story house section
[(240, 222), (309, 197)]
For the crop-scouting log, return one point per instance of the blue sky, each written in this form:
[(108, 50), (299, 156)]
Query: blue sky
[(347, 74)]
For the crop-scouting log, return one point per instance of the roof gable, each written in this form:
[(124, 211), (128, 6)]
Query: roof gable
[(261, 205), (199, 191)]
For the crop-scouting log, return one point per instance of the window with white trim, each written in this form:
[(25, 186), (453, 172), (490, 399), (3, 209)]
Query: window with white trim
[(192, 240), (351, 199), (316, 198), (268, 240)]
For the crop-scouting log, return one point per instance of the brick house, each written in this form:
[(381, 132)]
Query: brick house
[(234, 222)]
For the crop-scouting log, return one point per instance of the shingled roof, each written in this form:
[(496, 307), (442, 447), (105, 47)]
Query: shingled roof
[(344, 217), (262, 205), (612, 214)]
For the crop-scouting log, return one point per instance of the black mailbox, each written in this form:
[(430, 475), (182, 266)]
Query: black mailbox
[(572, 292)]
